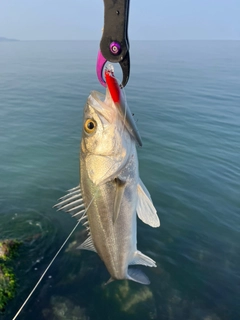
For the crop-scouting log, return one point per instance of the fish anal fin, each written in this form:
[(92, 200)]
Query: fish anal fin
[(140, 258), (87, 245), (120, 187), (145, 208), (137, 276)]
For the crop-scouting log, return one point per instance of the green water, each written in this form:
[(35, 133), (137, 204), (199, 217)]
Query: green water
[(186, 99)]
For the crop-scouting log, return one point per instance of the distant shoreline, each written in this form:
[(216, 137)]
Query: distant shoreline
[(3, 39)]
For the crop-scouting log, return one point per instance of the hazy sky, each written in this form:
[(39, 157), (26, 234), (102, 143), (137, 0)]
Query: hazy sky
[(148, 19)]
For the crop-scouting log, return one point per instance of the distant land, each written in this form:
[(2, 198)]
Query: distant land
[(7, 39)]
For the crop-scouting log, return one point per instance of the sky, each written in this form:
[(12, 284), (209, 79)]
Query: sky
[(148, 19)]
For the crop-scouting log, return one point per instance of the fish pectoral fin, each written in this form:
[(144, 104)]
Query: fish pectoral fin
[(87, 245), (137, 276), (145, 208), (140, 258), (118, 197)]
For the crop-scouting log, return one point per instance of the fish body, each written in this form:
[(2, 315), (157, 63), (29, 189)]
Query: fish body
[(111, 193)]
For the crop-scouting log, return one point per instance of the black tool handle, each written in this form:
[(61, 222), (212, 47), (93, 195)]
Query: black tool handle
[(115, 30)]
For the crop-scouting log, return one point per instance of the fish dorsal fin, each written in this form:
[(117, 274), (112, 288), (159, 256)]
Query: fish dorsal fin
[(140, 258), (145, 208), (137, 276), (120, 187), (72, 203), (87, 245)]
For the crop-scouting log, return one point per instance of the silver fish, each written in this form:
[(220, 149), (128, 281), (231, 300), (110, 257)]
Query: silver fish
[(111, 193)]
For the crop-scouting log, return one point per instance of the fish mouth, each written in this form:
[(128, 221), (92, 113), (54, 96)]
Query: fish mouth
[(99, 102), (107, 108), (114, 100)]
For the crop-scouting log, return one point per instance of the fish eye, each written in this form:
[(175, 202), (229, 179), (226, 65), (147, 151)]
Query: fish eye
[(90, 126)]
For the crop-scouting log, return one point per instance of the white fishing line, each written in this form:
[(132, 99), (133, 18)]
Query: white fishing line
[(29, 296)]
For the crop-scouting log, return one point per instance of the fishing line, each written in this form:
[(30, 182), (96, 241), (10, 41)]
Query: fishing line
[(29, 296)]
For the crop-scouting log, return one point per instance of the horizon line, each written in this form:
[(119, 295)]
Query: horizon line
[(16, 40)]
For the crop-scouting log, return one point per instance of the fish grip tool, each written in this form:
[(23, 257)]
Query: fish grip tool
[(114, 44)]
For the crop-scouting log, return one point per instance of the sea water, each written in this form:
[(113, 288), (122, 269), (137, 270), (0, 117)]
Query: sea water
[(185, 96)]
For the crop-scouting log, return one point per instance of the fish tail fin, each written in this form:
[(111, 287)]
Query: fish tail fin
[(137, 276)]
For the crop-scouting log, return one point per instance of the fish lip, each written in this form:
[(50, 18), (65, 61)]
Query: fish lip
[(98, 96), (97, 101)]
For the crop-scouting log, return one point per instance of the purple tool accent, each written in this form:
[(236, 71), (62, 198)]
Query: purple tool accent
[(99, 68), (115, 47)]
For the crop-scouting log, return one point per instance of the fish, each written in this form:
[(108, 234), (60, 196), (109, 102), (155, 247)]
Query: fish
[(111, 194)]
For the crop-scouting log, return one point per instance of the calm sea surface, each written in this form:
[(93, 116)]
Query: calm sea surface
[(186, 99)]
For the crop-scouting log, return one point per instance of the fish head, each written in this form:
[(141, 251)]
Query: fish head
[(106, 144), (103, 131)]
